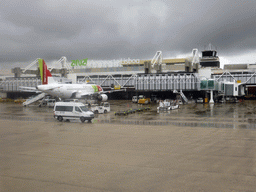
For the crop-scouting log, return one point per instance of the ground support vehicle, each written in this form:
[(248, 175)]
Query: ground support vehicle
[(47, 102), (142, 109), (167, 105), (143, 100), (19, 100), (130, 111), (200, 100), (135, 99), (121, 113), (72, 110), (104, 107)]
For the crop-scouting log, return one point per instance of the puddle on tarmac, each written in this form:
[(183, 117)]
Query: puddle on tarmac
[(227, 115)]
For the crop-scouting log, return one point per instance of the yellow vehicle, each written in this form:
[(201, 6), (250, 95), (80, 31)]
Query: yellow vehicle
[(117, 87), (19, 100), (144, 100)]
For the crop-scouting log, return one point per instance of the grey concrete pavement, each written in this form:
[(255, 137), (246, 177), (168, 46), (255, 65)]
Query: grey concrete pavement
[(62, 156)]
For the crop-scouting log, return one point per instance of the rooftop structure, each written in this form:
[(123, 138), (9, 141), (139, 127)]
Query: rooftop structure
[(209, 57)]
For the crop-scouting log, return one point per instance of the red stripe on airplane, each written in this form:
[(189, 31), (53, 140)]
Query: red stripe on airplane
[(46, 73)]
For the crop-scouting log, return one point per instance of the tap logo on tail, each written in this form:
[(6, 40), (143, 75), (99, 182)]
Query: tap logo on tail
[(44, 72)]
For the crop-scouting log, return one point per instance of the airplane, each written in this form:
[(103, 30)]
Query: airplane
[(67, 91)]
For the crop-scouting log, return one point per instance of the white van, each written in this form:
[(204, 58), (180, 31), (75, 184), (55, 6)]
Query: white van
[(72, 110)]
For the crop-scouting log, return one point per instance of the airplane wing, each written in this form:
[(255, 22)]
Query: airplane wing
[(52, 87), (112, 91), (29, 89), (84, 94), (81, 94), (87, 94)]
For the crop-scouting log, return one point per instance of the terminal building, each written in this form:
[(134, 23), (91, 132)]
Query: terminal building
[(195, 76)]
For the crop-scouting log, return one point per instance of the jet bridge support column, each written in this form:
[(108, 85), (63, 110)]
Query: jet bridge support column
[(17, 71), (211, 97)]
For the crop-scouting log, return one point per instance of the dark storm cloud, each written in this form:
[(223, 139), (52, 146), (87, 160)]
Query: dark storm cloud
[(121, 29)]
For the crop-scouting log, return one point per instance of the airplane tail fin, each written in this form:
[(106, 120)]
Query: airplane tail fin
[(46, 76)]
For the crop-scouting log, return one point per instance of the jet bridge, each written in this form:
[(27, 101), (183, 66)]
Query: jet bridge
[(167, 82), (59, 67), (157, 61)]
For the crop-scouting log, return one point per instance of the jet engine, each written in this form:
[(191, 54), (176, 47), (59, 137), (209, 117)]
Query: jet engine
[(102, 97)]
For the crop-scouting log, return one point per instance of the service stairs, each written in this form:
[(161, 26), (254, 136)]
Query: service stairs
[(34, 99), (183, 96)]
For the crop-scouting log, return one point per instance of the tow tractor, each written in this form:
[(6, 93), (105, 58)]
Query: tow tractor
[(104, 107), (47, 102), (167, 105), (143, 100)]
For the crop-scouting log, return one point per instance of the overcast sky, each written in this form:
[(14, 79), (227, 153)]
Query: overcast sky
[(94, 29)]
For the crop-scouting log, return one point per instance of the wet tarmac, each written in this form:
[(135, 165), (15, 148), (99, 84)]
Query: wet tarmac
[(219, 115), (199, 147)]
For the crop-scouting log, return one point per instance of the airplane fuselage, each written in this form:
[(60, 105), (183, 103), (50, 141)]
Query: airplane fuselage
[(67, 91)]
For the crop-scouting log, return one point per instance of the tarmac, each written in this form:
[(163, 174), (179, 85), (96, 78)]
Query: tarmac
[(38, 153)]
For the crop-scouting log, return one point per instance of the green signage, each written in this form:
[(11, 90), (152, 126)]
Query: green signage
[(77, 62)]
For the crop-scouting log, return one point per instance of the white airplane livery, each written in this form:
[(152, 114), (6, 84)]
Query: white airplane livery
[(67, 91), (73, 91)]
